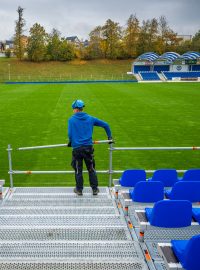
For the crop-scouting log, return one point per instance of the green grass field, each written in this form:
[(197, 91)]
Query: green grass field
[(165, 114)]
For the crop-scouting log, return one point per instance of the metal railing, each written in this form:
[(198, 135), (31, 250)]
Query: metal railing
[(110, 170)]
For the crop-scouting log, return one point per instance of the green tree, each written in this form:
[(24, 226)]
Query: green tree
[(19, 29), (142, 44), (196, 42), (37, 45), (111, 33), (54, 43), (131, 35), (94, 50), (152, 35), (8, 53), (66, 51)]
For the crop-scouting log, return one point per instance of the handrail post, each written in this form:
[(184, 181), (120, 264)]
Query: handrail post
[(10, 165), (110, 165)]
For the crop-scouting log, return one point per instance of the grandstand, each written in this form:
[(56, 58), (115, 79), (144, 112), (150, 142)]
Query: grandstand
[(140, 223), (167, 67)]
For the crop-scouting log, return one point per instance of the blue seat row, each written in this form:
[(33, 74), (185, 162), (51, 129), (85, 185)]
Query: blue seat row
[(170, 214), (187, 252), (150, 76), (184, 190), (187, 74), (169, 177), (153, 191)]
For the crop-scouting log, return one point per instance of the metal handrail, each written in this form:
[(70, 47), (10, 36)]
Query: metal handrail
[(110, 170), (59, 145), (157, 148)]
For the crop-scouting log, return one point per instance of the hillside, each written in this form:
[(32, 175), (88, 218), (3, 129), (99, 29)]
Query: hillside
[(72, 70)]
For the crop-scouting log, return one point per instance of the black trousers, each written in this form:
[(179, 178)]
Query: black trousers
[(85, 153)]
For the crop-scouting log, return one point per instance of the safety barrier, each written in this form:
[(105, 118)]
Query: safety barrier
[(110, 170)]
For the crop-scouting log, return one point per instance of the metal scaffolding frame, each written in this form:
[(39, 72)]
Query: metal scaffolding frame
[(110, 170)]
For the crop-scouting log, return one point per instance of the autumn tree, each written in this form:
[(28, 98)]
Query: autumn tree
[(66, 51), (19, 29), (142, 44), (37, 45), (131, 35), (54, 42), (95, 48), (111, 33), (196, 42)]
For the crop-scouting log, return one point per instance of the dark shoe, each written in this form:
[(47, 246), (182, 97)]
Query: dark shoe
[(78, 192), (95, 191)]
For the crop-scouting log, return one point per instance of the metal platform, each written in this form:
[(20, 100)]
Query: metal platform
[(53, 228), (119, 251), (55, 190), (77, 201), (67, 234), (62, 221), (133, 264), (90, 210)]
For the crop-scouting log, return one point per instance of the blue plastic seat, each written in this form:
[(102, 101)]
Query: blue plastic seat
[(147, 192), (168, 176), (191, 175), (184, 190), (130, 177), (170, 214), (196, 214), (187, 252)]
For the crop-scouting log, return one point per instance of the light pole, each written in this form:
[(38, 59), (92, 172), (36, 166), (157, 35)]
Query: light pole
[(9, 72)]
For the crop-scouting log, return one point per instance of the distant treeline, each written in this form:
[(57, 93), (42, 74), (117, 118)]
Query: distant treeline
[(110, 41)]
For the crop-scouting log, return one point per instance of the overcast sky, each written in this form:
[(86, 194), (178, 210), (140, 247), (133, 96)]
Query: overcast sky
[(79, 17)]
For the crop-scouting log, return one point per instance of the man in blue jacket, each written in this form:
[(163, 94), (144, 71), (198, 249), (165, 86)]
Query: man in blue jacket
[(80, 130)]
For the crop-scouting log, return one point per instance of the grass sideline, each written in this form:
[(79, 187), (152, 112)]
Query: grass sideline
[(139, 115), (61, 71)]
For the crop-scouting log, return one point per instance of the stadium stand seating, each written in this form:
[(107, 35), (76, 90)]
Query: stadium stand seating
[(185, 190), (150, 76), (130, 177), (160, 68), (187, 251), (184, 252), (191, 175), (147, 192), (186, 75), (167, 176), (195, 68), (196, 214), (137, 69), (170, 214)]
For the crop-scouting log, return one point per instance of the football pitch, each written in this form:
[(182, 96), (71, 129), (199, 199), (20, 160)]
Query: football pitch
[(157, 114)]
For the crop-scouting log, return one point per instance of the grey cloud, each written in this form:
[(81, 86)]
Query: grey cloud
[(79, 17)]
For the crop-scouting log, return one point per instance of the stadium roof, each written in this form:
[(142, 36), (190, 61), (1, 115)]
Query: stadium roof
[(191, 55), (170, 56), (150, 56)]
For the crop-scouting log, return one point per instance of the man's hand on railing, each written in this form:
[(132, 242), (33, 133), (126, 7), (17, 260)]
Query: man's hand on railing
[(110, 139), (69, 144)]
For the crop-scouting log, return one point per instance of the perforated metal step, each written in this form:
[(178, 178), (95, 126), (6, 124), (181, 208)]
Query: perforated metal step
[(131, 265), (66, 221), (54, 229), (55, 234), (59, 211), (79, 201), (58, 190), (54, 196), (119, 251)]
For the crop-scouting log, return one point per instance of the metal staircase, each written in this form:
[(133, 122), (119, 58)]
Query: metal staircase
[(53, 228)]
